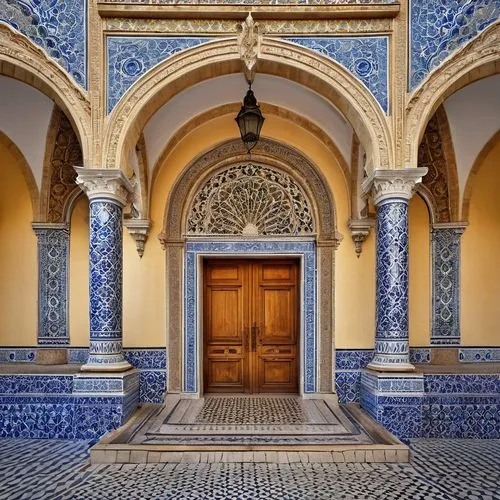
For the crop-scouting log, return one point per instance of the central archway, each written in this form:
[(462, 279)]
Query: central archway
[(313, 242)]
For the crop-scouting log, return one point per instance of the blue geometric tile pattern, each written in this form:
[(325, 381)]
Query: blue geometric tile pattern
[(306, 250), (479, 354), (391, 341), (446, 286), (105, 283), (37, 406), (130, 57), (58, 27), (366, 57), (440, 27), (53, 253)]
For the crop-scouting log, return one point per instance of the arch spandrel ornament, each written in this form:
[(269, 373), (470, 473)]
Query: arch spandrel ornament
[(478, 59), (277, 57), (24, 61), (250, 200)]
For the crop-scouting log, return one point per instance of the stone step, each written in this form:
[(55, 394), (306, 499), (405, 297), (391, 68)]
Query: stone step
[(127, 445)]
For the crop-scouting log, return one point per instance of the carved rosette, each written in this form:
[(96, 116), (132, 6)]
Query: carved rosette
[(104, 184)]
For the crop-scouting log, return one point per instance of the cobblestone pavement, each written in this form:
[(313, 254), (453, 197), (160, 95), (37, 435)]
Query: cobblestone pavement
[(440, 469)]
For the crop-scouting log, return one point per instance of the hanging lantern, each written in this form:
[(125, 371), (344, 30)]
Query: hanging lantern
[(250, 120)]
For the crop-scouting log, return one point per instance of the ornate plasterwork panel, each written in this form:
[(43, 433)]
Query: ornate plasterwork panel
[(365, 57), (130, 57), (65, 154), (60, 28), (268, 27), (253, 200), (438, 28), (431, 154)]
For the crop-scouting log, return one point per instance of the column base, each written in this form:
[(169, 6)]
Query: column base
[(120, 366), (384, 367)]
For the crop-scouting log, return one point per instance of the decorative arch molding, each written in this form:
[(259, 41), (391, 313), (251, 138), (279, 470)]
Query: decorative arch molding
[(277, 57), (317, 254), (26, 171), (437, 154), (469, 187), (24, 61), (62, 153), (232, 109), (267, 152), (476, 60)]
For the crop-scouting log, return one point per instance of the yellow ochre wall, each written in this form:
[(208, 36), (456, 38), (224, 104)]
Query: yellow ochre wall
[(18, 257), (79, 326), (480, 311), (420, 272)]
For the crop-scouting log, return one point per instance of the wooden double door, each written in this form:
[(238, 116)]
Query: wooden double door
[(251, 325)]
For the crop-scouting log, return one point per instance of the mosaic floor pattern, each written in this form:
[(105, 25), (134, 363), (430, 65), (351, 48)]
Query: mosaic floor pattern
[(246, 419), (251, 410), (441, 469)]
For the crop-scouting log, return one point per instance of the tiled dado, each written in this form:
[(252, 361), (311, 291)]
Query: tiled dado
[(433, 405), (349, 364), (82, 406), (151, 363)]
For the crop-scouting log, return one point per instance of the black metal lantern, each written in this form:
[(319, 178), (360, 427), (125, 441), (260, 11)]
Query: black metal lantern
[(250, 120)]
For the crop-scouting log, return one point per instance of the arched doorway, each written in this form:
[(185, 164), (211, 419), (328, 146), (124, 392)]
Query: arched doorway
[(205, 219)]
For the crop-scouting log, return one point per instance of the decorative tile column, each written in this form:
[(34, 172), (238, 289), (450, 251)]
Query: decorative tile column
[(391, 191), (53, 254), (446, 283), (107, 191)]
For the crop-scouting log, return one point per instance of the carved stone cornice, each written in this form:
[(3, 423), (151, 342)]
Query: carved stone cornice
[(101, 183), (360, 230), (457, 227), (390, 184), (139, 230)]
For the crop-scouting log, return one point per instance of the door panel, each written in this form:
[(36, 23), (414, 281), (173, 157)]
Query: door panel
[(250, 326)]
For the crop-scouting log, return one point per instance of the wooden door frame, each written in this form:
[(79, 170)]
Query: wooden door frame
[(192, 340)]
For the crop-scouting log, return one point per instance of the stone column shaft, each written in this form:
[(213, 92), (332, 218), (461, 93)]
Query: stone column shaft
[(446, 283), (391, 190), (53, 255), (107, 191)]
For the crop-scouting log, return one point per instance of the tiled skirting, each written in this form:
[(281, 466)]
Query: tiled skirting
[(434, 405), (151, 363), (72, 406)]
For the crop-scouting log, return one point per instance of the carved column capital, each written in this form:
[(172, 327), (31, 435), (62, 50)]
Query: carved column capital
[(389, 184), (101, 183), (457, 227)]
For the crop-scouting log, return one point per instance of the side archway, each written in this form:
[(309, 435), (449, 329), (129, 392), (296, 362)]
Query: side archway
[(469, 187), (277, 57), (22, 60), (26, 171), (478, 59), (175, 235)]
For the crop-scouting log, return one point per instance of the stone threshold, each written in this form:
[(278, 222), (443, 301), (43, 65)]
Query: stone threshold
[(118, 446)]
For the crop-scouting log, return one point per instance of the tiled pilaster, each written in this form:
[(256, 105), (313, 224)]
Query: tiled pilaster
[(446, 283), (53, 256)]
